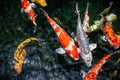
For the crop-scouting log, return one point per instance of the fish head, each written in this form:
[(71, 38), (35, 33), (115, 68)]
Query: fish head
[(88, 59)]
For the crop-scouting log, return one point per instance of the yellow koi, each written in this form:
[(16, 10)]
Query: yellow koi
[(20, 53), (41, 2)]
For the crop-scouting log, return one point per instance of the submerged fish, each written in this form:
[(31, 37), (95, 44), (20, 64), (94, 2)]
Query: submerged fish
[(41, 2), (27, 8), (20, 53), (97, 24), (110, 35), (83, 43), (92, 74), (65, 40), (86, 19)]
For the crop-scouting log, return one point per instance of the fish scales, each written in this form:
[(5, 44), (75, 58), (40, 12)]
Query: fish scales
[(83, 42)]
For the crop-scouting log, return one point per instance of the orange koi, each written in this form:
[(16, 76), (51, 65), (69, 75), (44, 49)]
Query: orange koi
[(92, 74), (65, 40), (20, 54), (110, 35), (27, 7)]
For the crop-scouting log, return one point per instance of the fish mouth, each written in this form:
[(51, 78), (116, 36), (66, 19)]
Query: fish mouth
[(88, 60), (89, 64)]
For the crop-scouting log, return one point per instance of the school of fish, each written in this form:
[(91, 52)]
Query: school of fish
[(75, 48)]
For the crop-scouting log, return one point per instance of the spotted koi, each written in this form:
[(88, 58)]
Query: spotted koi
[(20, 53), (110, 35), (65, 40), (92, 74), (27, 8)]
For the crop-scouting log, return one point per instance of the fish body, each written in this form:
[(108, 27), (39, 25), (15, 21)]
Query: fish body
[(19, 59), (92, 74), (97, 24), (86, 19), (83, 43), (110, 35), (20, 54), (27, 8), (41, 2), (118, 38), (65, 40)]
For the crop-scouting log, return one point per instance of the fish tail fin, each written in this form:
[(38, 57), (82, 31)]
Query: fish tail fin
[(44, 12), (116, 52), (77, 9), (111, 3), (87, 6)]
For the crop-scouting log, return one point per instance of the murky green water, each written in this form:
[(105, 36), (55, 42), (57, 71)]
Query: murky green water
[(42, 62)]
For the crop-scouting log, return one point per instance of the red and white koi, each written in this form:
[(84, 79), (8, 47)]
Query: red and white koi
[(86, 19), (27, 8), (92, 74), (84, 47), (66, 41)]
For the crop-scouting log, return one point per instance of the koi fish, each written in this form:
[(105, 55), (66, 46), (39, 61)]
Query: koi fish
[(65, 40), (86, 19), (27, 8), (97, 24), (41, 2), (110, 35), (83, 43), (20, 53), (92, 74)]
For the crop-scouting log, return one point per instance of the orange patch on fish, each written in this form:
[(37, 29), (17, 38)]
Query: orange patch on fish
[(110, 34), (92, 74), (20, 56)]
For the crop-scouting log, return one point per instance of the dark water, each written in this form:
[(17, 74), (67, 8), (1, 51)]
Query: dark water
[(42, 62)]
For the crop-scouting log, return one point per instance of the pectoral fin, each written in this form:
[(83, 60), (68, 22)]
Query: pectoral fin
[(83, 73), (60, 51), (22, 10), (33, 5), (92, 46), (104, 38)]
